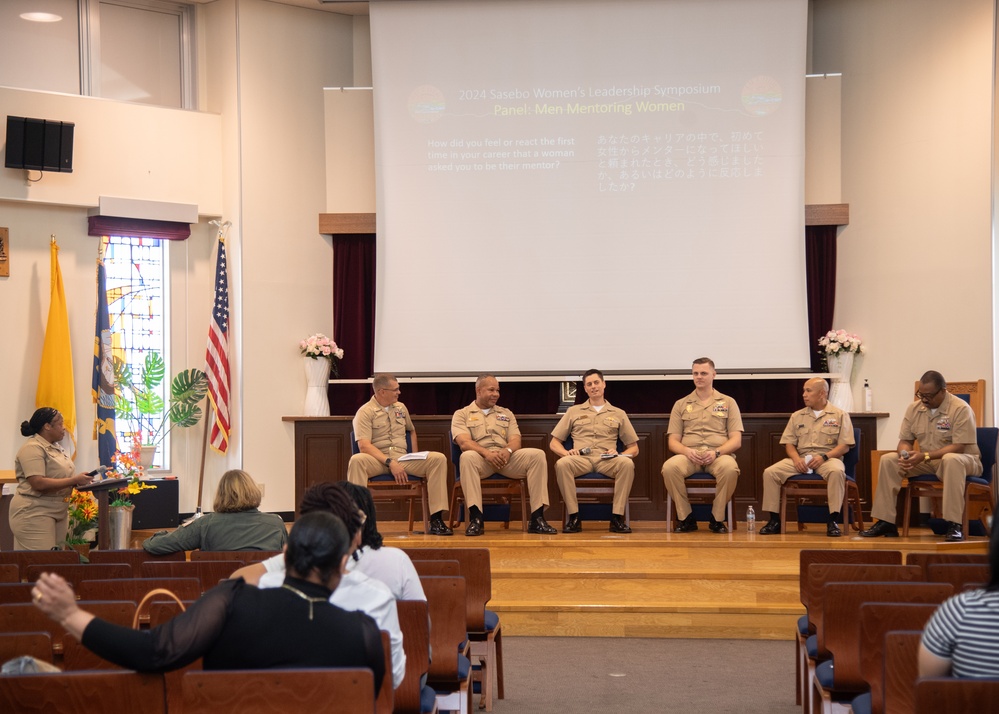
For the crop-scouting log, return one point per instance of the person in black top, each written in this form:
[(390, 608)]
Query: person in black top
[(238, 626)]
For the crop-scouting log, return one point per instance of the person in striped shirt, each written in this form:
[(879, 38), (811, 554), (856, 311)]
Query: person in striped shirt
[(960, 640)]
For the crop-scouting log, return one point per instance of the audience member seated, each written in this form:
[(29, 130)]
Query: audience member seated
[(960, 639), (237, 626), (236, 523), (357, 591), (389, 565)]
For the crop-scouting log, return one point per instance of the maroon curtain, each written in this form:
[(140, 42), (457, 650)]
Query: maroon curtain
[(354, 303), (820, 271), (115, 226)]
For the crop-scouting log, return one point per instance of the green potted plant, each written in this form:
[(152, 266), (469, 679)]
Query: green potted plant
[(138, 402)]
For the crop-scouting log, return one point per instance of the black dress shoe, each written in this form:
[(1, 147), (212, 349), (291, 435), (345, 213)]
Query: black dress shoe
[(538, 524), (573, 525), (475, 527), (617, 524), (881, 528), (718, 527), (687, 525), (439, 527), (771, 528), (832, 530), (954, 533)]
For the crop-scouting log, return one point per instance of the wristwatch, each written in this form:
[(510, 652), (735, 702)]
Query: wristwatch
[(717, 453), (926, 456), (388, 461), (509, 449)]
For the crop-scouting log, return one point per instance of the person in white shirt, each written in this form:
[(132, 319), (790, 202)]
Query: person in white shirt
[(356, 591)]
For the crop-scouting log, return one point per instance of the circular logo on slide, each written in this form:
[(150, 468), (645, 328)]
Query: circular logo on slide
[(761, 96), (426, 104)]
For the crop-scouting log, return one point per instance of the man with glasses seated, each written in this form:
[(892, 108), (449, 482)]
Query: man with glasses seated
[(944, 426), (380, 428)]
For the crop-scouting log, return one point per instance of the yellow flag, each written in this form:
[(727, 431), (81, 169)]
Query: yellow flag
[(55, 378)]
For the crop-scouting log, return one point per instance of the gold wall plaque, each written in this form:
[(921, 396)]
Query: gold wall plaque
[(4, 253)]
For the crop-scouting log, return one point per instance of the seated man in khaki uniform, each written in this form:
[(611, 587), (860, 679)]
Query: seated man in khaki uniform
[(944, 426), (815, 438), (380, 428), (705, 429), (489, 439), (595, 427)]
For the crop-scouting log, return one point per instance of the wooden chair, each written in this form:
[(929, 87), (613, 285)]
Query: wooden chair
[(484, 629), (594, 487), (383, 487), (337, 691), (160, 612), (208, 572), (133, 556), (414, 620), (810, 593), (901, 667), (83, 693), (499, 489), (10, 573), (246, 557), (23, 558), (963, 576), (952, 695), (25, 617), (449, 673), (15, 592), (812, 486), (841, 632), (971, 392), (448, 568), (924, 560), (134, 589), (75, 574), (978, 490), (877, 619), (31, 644), (701, 488), (385, 700)]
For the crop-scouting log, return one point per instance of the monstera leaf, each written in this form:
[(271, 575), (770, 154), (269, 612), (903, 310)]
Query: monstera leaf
[(189, 387)]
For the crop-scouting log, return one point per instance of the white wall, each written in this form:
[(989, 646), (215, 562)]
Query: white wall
[(915, 263)]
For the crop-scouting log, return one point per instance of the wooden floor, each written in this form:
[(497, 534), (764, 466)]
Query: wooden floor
[(651, 583)]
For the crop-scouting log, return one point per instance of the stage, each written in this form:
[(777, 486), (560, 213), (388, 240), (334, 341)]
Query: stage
[(655, 584)]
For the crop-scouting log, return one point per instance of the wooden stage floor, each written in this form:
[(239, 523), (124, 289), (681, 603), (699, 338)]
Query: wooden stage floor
[(651, 583)]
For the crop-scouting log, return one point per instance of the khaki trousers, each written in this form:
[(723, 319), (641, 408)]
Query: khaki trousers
[(523, 463), (362, 467), (620, 468), (38, 523), (951, 470), (725, 470), (833, 472)]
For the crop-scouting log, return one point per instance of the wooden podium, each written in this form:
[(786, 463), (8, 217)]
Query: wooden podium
[(101, 489)]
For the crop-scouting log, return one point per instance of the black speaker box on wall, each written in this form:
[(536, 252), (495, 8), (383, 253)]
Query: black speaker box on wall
[(39, 144)]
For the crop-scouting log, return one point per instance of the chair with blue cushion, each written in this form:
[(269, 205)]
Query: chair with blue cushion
[(384, 487), (701, 488), (590, 488), (812, 486), (978, 490), (496, 486)]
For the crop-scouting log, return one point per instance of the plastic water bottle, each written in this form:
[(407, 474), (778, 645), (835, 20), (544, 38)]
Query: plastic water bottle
[(868, 397), (750, 519)]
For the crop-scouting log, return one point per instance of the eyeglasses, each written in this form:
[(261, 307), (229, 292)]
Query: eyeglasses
[(927, 397)]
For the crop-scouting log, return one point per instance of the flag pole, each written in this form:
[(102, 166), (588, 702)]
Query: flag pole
[(204, 451)]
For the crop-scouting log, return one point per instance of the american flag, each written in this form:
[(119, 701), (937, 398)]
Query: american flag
[(217, 358)]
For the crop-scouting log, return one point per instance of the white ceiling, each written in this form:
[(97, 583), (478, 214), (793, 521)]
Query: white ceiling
[(343, 8)]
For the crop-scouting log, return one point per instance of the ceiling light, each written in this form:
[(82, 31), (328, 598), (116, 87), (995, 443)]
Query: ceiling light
[(40, 17)]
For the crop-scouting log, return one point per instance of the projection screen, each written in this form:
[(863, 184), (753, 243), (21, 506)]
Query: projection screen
[(564, 184)]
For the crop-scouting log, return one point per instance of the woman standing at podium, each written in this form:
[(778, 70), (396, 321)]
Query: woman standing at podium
[(45, 477)]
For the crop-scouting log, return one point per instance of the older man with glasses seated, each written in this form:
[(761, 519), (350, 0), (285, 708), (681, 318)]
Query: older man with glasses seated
[(944, 426)]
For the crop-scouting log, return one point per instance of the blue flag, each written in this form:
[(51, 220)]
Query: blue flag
[(102, 387)]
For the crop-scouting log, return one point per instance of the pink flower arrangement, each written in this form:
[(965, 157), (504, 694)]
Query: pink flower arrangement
[(837, 342), (319, 345)]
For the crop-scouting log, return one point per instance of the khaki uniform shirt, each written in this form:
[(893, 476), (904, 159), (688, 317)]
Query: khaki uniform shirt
[(38, 457), (597, 430), (820, 434), (704, 427), (384, 427), (954, 423), (491, 431)]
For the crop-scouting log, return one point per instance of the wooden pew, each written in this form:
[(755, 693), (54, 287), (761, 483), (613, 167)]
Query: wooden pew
[(23, 558), (841, 630), (923, 560), (963, 576), (208, 572), (445, 601), (75, 574), (25, 617), (901, 666), (31, 644), (246, 557), (15, 592), (337, 691), (83, 693), (446, 568), (10, 573), (133, 556), (951, 695), (415, 625), (386, 699), (134, 589)]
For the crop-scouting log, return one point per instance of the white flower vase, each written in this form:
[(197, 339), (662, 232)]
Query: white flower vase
[(146, 456), (317, 379), (841, 391)]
